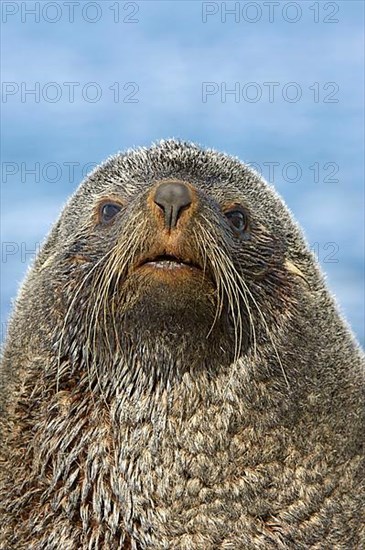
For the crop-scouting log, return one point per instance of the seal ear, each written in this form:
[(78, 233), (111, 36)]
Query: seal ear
[(47, 262), (294, 270), (47, 251)]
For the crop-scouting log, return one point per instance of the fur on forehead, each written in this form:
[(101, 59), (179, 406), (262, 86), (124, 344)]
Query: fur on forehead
[(222, 176)]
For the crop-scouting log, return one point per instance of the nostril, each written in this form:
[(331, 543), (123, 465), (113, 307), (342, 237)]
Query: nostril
[(172, 198)]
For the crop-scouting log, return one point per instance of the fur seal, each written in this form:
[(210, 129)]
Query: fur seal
[(176, 373)]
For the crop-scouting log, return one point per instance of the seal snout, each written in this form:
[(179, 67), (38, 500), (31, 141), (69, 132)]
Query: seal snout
[(170, 251), (172, 198)]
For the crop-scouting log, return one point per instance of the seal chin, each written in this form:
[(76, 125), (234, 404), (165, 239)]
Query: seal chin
[(167, 293)]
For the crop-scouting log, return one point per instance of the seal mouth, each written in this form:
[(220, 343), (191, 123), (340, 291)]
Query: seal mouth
[(168, 261)]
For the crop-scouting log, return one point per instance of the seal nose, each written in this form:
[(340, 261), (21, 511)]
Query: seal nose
[(172, 198)]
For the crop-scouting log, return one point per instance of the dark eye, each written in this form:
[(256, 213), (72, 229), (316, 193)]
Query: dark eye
[(237, 220), (108, 211)]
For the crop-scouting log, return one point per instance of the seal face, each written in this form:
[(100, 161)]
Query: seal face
[(176, 374)]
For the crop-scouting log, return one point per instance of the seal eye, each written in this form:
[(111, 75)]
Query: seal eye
[(108, 211), (237, 220)]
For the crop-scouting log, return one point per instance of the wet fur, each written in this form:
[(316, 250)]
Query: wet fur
[(226, 415)]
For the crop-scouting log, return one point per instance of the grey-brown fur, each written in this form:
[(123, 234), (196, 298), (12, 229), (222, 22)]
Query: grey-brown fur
[(162, 439)]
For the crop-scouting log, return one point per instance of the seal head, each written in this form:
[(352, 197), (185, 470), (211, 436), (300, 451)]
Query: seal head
[(176, 373)]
